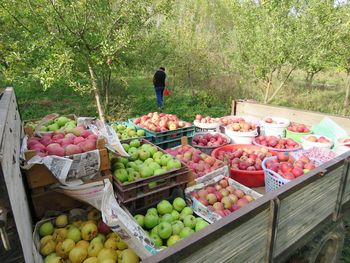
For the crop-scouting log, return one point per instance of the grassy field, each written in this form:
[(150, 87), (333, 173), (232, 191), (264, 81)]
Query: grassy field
[(138, 98)]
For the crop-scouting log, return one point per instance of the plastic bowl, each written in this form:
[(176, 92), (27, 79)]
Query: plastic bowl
[(276, 129), (307, 144), (241, 137), (207, 149), (296, 136), (342, 146), (247, 178), (214, 125), (277, 149)]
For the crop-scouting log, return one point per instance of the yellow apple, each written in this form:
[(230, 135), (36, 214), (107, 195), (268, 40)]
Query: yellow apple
[(128, 256), (94, 249), (77, 255), (89, 231), (94, 214), (59, 234), (44, 239), (108, 260), (74, 234), (122, 245), (61, 221), (91, 260), (106, 253), (77, 223), (63, 248), (83, 243), (47, 247), (111, 243), (112, 234), (55, 260), (47, 258)]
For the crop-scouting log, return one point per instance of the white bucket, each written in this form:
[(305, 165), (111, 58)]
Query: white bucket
[(207, 127), (241, 137), (274, 129), (342, 147), (307, 144)]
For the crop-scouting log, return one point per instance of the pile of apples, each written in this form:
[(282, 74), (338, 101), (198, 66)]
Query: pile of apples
[(127, 132), (199, 162), (88, 241), (145, 161), (298, 127), (288, 168), (207, 119), (277, 143), (320, 139), (77, 140), (209, 140), (244, 158), (240, 125), (168, 223), (222, 198), (160, 122), (60, 123)]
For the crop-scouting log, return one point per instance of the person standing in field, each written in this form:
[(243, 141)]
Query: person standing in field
[(159, 85)]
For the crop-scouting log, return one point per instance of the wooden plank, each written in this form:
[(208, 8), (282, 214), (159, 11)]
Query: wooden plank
[(10, 134), (346, 197), (302, 210), (259, 110), (239, 237)]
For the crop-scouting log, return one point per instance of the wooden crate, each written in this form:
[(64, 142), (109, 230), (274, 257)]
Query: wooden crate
[(54, 200), (40, 176)]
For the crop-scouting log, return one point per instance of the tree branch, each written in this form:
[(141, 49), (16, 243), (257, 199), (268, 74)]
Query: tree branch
[(15, 18)]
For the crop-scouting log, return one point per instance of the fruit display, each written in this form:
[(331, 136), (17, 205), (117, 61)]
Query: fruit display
[(74, 141), (160, 122), (222, 197), (89, 241), (276, 142), (125, 132), (320, 139), (209, 140), (60, 123), (244, 158), (297, 127), (197, 161), (200, 119), (241, 126), (288, 167), (145, 160), (168, 222)]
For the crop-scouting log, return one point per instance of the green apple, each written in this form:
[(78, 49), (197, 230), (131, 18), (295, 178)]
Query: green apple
[(128, 256), (74, 234), (121, 175), (135, 143), (154, 165), (171, 165), (175, 215), (186, 211), (140, 219), (190, 221), (122, 160), (143, 154), (179, 204), (186, 232), (200, 224), (177, 227), (152, 210), (159, 171), (98, 239), (61, 121), (165, 159), (146, 171), (140, 133), (173, 239), (126, 147), (156, 240), (132, 133), (46, 229), (164, 207), (118, 166), (49, 257), (165, 230), (91, 260), (43, 129), (158, 154), (148, 161), (78, 254), (138, 162), (151, 221), (61, 221), (131, 165), (167, 218), (53, 127), (154, 230), (106, 253)]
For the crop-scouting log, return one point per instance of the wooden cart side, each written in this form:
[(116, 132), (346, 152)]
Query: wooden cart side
[(239, 237), (10, 136), (260, 110)]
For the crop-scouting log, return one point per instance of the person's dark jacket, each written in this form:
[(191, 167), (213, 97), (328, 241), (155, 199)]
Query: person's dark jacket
[(159, 78)]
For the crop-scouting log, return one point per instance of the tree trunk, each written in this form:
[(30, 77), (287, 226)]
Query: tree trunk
[(96, 92), (281, 86), (347, 93), (107, 85), (268, 85), (310, 79)]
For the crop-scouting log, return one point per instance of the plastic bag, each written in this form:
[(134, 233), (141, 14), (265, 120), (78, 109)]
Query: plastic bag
[(166, 92)]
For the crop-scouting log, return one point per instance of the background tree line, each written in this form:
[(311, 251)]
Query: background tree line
[(221, 49)]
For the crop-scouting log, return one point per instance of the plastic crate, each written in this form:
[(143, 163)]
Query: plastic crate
[(147, 136), (172, 143), (272, 179), (162, 137)]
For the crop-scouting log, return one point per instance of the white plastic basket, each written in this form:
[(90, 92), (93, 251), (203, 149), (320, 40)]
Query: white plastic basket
[(275, 129), (308, 145), (272, 179), (241, 137)]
